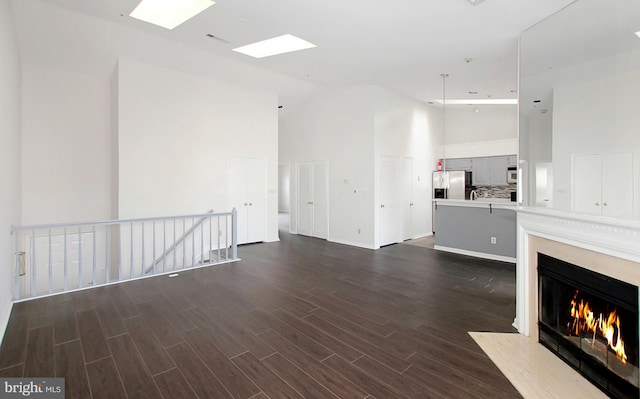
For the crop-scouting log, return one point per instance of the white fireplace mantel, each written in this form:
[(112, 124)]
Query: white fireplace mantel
[(608, 246)]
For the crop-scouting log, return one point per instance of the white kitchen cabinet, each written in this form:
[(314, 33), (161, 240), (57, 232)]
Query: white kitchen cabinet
[(481, 176), (247, 193), (313, 210), (498, 171), (465, 164), (603, 184), (451, 164), (490, 171), (459, 164)]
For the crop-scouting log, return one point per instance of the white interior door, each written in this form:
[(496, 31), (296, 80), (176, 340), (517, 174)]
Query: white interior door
[(238, 195), (256, 199), (247, 193), (320, 208), (305, 198), (313, 199), (617, 185), (407, 199), (389, 227), (587, 183)]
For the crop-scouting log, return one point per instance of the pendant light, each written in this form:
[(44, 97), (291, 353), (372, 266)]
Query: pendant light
[(444, 120)]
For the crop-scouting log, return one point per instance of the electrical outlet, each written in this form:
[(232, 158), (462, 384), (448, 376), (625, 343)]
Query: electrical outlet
[(493, 240)]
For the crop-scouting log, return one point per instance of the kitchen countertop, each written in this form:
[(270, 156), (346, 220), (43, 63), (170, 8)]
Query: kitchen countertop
[(503, 203)]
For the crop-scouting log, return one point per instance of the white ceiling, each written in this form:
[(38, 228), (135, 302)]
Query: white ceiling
[(403, 45)]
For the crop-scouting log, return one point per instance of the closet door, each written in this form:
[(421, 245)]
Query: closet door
[(313, 199), (247, 193), (603, 184), (617, 185), (389, 224), (305, 198), (407, 199), (320, 200), (238, 195), (256, 198)]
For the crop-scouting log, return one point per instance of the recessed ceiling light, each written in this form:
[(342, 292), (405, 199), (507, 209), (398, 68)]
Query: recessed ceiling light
[(278, 45), (169, 13), (482, 101)]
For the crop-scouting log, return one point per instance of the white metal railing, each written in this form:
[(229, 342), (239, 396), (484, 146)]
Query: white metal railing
[(55, 258)]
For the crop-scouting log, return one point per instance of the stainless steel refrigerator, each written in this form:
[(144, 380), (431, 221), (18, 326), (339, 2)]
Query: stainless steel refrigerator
[(449, 185)]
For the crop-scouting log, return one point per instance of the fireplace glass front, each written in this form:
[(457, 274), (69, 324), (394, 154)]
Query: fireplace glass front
[(591, 322)]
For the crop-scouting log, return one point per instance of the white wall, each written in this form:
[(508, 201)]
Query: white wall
[(69, 60), (66, 148), (485, 148), (9, 154), (352, 127), (405, 128), (491, 122), (176, 162), (597, 116), (490, 131), (336, 125)]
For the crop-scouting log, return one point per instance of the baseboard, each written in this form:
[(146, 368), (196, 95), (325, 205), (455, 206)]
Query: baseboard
[(5, 323), (353, 244), (476, 254)]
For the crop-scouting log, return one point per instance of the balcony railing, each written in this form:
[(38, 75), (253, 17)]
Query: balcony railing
[(57, 258)]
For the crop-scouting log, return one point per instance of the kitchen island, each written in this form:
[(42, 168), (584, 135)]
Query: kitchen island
[(484, 228)]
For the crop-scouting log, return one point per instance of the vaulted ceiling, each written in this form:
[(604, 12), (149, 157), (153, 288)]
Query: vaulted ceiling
[(403, 45)]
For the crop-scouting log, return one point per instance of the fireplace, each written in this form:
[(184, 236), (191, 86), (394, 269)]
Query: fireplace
[(591, 322)]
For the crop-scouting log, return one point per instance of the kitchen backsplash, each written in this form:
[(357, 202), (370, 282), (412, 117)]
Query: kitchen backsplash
[(496, 191)]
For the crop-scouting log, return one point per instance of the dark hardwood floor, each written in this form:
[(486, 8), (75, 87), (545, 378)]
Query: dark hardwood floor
[(301, 318)]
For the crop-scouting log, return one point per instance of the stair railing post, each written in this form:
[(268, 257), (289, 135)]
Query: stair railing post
[(234, 234)]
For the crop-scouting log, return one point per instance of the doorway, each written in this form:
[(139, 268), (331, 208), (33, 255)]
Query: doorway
[(284, 197)]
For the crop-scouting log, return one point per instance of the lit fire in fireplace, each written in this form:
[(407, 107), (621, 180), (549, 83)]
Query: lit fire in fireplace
[(585, 322)]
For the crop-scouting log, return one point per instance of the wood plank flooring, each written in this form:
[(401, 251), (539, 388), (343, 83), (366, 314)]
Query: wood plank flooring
[(300, 318)]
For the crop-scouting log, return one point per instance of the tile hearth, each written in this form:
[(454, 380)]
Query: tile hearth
[(534, 371)]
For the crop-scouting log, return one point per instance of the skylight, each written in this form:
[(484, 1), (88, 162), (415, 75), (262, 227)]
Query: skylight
[(169, 13), (482, 101), (277, 45)]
